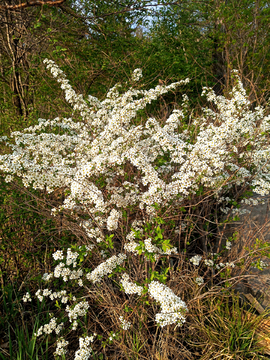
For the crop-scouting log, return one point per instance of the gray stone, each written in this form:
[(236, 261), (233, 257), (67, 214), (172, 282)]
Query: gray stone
[(252, 226)]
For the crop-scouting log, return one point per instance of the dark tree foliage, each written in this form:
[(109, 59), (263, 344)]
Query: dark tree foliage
[(99, 43)]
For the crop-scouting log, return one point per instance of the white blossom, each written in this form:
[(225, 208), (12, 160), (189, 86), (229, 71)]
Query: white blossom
[(209, 262), (124, 323), (105, 268), (228, 245), (199, 280), (58, 255), (172, 307), (129, 287), (27, 297), (137, 74), (79, 309), (195, 260), (60, 347), (84, 352)]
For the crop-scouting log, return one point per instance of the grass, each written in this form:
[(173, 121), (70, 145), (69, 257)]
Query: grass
[(227, 329), (20, 325)]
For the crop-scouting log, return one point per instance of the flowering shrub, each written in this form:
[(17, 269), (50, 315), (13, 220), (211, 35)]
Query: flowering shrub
[(114, 167)]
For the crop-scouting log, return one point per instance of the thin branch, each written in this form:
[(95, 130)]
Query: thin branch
[(32, 3)]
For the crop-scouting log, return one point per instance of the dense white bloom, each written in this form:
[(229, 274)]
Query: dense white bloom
[(58, 255), (105, 268), (8, 178), (129, 287), (79, 309), (196, 260), (112, 221), (48, 159), (71, 257), (172, 307), (50, 327), (114, 141), (85, 349), (62, 270)]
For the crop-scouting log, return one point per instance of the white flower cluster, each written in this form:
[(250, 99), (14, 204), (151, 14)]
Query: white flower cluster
[(40, 294), (114, 141), (195, 260), (63, 270), (172, 307), (92, 232), (209, 262), (58, 255), (154, 249), (79, 309), (8, 178), (253, 202), (124, 323), (27, 297), (106, 268), (47, 277), (130, 287), (71, 258), (61, 347), (112, 221), (85, 349), (49, 328), (137, 74), (228, 264), (199, 280)]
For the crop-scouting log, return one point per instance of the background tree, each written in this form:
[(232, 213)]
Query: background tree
[(99, 43)]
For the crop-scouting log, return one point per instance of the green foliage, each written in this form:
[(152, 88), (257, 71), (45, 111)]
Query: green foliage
[(21, 327), (26, 234)]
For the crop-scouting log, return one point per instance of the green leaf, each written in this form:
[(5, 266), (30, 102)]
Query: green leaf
[(37, 25)]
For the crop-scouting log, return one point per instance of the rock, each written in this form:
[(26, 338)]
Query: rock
[(251, 226)]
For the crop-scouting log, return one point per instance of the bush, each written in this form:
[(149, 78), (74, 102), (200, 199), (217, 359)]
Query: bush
[(147, 197)]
